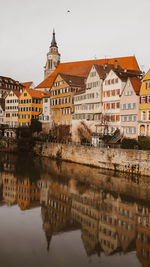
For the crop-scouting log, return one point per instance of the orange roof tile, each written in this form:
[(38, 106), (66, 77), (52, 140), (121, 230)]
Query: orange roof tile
[(16, 92), (136, 83), (82, 68), (27, 84), (37, 94)]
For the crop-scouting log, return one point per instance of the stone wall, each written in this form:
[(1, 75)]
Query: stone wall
[(127, 161)]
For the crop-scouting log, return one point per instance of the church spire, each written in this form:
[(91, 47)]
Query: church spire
[(53, 43), (53, 57)]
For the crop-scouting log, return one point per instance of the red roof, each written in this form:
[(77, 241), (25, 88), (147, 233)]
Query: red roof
[(136, 83), (37, 94), (27, 84), (16, 92), (82, 68)]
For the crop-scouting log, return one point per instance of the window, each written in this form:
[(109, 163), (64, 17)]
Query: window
[(143, 115), (131, 130), (148, 115), (143, 98), (25, 94), (117, 105)]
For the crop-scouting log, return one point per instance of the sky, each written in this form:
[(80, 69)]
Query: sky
[(92, 29)]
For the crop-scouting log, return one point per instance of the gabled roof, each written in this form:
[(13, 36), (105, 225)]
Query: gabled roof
[(16, 92), (136, 84), (73, 80), (124, 74), (147, 76), (27, 84), (82, 68), (37, 94)]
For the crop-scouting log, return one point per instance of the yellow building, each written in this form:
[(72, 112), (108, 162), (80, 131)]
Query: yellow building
[(144, 120), (62, 92), (30, 106), (28, 194)]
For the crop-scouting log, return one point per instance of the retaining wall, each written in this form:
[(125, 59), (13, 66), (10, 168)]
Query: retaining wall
[(124, 160)]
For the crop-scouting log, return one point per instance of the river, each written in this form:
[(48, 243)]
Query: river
[(55, 213)]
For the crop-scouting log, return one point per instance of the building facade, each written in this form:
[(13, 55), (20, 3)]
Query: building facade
[(30, 106), (113, 86), (62, 92), (144, 120), (11, 108), (129, 108)]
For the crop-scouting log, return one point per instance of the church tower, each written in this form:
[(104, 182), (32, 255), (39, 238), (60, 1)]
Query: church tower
[(53, 58)]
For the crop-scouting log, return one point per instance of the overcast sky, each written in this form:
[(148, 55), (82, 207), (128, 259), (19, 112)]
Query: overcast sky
[(92, 28)]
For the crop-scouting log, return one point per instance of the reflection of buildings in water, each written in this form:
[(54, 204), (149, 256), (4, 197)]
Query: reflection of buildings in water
[(56, 209), (28, 194), (126, 226), (108, 236), (44, 186), (143, 235), (8, 166), (85, 210), (1, 187), (9, 188)]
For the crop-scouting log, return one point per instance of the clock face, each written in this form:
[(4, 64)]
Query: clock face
[(49, 57)]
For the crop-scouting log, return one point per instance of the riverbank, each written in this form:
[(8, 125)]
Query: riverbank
[(132, 162), (119, 160)]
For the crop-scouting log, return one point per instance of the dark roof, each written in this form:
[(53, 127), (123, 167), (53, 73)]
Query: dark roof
[(73, 80), (124, 74), (2, 103), (53, 43)]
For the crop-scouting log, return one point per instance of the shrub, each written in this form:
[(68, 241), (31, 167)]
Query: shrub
[(128, 143), (36, 126), (144, 143)]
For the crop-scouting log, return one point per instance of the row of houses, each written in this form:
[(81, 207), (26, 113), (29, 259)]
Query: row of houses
[(106, 94)]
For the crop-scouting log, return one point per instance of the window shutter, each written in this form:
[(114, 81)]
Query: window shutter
[(146, 99), (140, 99), (118, 117), (104, 105), (104, 94), (113, 117), (146, 85)]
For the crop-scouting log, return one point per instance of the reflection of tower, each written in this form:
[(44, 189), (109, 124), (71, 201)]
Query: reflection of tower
[(53, 58), (47, 227)]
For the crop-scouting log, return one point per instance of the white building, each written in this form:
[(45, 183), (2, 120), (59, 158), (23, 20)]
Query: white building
[(112, 89), (45, 116), (11, 108), (88, 103)]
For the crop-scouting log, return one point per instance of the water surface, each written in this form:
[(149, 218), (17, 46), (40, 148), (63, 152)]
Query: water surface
[(63, 214)]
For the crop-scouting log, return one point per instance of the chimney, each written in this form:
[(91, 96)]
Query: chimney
[(105, 66), (116, 64)]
